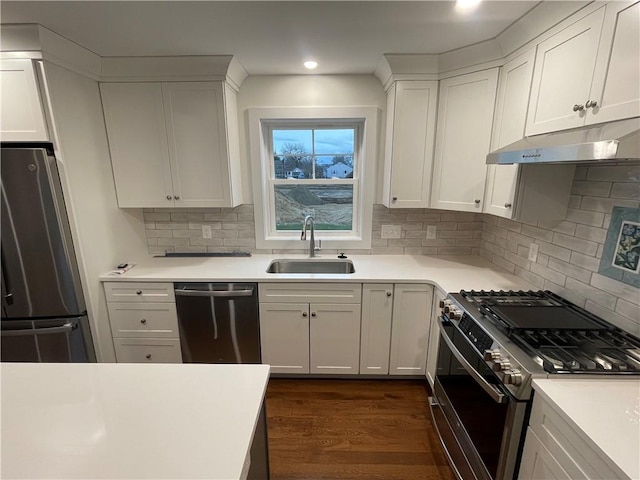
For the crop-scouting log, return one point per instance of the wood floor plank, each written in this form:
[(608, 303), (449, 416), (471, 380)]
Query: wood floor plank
[(352, 429)]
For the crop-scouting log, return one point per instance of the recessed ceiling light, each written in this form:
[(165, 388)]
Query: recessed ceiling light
[(310, 64), (466, 5)]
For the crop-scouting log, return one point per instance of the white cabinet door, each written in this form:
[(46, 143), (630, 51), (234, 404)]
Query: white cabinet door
[(562, 76), (465, 115), (509, 121), (334, 338), (21, 114), (616, 81), (284, 336), (434, 337), (134, 115), (410, 137), (194, 113), (410, 329), (375, 334), (538, 463)]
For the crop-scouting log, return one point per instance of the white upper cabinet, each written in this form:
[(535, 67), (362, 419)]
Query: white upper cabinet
[(465, 115), (21, 114), (616, 80), (508, 127), (411, 118), (169, 144), (588, 72)]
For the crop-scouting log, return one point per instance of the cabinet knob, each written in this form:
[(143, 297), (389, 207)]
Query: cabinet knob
[(477, 201), (591, 104), (138, 292), (177, 197), (578, 108), (169, 197), (148, 356), (507, 205), (314, 314), (304, 314), (388, 294), (394, 198), (143, 321)]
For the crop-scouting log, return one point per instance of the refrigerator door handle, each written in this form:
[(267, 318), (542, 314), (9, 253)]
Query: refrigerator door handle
[(7, 291), (218, 293), (67, 327)]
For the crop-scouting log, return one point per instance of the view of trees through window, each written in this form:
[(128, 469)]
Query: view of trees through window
[(301, 157)]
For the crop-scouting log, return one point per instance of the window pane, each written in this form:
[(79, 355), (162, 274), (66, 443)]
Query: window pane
[(336, 166), (334, 141), (331, 206), (292, 141)]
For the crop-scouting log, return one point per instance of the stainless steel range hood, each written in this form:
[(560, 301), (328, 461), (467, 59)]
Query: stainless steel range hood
[(597, 143)]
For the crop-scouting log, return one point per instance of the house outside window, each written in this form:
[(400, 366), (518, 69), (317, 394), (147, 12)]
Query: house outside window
[(313, 161)]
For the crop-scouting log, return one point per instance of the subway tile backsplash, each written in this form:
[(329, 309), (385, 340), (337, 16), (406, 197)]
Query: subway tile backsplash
[(569, 251)]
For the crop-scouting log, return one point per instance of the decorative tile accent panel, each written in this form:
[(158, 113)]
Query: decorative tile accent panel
[(570, 252), (233, 229)]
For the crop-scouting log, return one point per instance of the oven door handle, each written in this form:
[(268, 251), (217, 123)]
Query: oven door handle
[(492, 390)]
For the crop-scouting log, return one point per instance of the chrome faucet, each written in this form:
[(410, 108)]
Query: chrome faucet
[(312, 240)]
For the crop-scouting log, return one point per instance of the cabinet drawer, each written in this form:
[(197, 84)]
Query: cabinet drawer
[(139, 292), (143, 319), (573, 453), (310, 292), (151, 350)]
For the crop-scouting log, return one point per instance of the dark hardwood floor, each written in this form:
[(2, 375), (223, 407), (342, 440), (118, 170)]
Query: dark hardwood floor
[(352, 429)]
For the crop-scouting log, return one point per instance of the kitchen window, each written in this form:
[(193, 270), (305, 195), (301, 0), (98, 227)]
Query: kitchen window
[(313, 161)]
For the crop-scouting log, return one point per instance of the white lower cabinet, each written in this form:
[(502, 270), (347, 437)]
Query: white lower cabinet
[(284, 336), (310, 328), (144, 322), (410, 329), (375, 335), (553, 449), (434, 337)]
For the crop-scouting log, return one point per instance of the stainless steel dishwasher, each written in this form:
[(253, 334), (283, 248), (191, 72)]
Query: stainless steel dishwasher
[(218, 322)]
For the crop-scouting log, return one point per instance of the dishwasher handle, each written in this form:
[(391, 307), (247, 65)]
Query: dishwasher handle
[(215, 293)]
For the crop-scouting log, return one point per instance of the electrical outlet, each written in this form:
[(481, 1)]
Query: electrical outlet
[(206, 231), (431, 231), (391, 231), (533, 251)]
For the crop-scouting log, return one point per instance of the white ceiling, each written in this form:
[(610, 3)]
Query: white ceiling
[(270, 37)]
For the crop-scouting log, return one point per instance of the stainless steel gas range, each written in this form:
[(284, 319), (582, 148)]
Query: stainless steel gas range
[(492, 344)]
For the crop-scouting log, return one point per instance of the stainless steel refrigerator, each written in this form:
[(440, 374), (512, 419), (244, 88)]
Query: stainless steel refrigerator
[(44, 318)]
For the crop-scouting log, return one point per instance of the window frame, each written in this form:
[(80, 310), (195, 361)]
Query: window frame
[(262, 122)]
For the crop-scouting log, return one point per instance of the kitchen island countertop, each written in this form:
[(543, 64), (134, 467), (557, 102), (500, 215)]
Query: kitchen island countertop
[(605, 412), (129, 421), (449, 273)]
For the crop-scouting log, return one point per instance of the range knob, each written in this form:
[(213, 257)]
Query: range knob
[(455, 313), (512, 377), (501, 365), (491, 355)]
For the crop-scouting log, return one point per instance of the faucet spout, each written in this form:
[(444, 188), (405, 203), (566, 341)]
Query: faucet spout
[(309, 220)]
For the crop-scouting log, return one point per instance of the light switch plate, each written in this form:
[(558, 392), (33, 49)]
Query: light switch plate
[(391, 231), (206, 231), (533, 251), (431, 231)]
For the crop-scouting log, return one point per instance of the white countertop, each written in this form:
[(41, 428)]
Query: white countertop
[(450, 273), (133, 421), (604, 412)]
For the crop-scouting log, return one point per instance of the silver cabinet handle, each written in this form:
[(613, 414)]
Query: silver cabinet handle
[(138, 292), (394, 198), (591, 104), (143, 321), (148, 356), (492, 390), (217, 293), (314, 314), (578, 108), (177, 197), (304, 314), (388, 294), (169, 197), (477, 201), (507, 205), (67, 327)]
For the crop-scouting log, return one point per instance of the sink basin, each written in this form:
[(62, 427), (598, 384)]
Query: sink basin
[(311, 266)]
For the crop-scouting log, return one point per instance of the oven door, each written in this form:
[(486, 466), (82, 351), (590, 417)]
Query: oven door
[(479, 423)]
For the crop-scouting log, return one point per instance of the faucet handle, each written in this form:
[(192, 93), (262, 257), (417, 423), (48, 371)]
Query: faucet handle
[(303, 235)]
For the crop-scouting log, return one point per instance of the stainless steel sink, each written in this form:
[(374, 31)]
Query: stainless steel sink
[(312, 266)]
